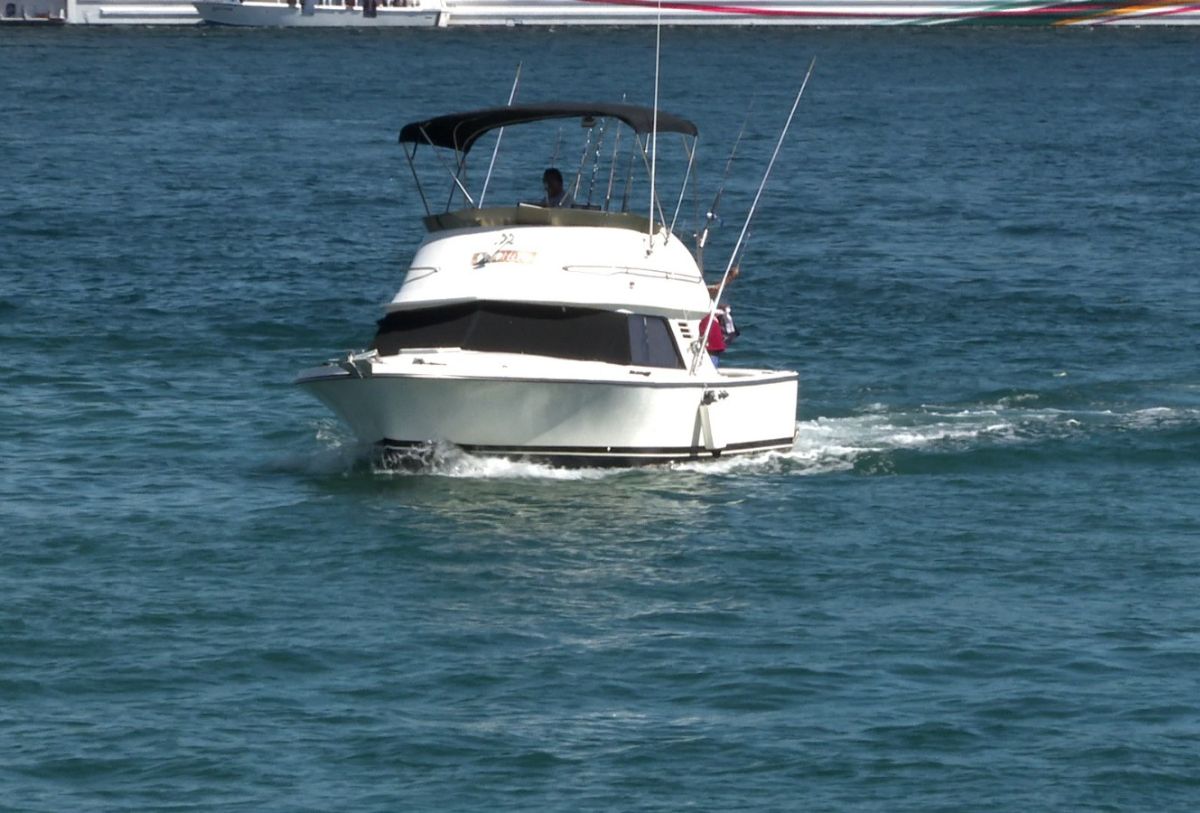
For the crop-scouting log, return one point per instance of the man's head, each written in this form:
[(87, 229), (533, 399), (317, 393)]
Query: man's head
[(552, 181)]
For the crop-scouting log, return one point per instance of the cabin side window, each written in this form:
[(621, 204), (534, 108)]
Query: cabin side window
[(559, 332), (651, 343)]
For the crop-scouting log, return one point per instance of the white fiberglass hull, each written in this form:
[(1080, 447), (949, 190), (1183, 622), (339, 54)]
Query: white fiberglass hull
[(815, 12), (128, 12), (643, 417), (267, 14), (472, 13)]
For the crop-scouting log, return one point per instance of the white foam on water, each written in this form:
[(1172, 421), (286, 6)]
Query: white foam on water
[(1156, 418), (828, 445), (447, 460), (822, 445)]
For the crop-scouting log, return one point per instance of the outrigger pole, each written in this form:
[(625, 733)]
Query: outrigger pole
[(496, 149), (654, 126), (702, 345)]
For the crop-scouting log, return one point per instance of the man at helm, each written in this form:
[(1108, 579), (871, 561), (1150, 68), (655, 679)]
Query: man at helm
[(556, 196)]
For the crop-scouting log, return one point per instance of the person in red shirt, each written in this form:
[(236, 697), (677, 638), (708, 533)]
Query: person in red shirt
[(722, 330), (716, 338)]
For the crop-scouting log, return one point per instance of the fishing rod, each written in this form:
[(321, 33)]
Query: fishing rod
[(629, 171), (499, 135), (590, 123), (710, 217), (596, 160), (712, 308), (612, 167)]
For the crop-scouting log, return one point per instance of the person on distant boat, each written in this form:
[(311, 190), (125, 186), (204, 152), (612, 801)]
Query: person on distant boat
[(556, 195)]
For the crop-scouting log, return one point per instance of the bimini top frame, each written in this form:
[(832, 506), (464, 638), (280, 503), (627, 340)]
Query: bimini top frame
[(459, 132)]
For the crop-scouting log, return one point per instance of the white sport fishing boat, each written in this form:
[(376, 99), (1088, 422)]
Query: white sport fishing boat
[(568, 334)]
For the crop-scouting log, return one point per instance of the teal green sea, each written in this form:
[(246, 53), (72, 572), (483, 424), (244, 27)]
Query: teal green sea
[(972, 585)]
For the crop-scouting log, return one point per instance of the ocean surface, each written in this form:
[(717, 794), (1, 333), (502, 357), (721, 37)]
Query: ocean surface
[(973, 585)]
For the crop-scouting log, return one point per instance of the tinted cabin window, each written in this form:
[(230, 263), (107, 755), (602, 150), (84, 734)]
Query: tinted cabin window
[(569, 333), (651, 343)]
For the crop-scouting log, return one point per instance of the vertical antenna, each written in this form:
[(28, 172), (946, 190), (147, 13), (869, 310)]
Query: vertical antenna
[(654, 126), (496, 149)]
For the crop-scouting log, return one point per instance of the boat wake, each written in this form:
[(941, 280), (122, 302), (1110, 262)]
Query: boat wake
[(878, 440)]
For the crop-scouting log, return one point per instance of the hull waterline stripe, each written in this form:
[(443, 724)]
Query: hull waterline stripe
[(648, 452)]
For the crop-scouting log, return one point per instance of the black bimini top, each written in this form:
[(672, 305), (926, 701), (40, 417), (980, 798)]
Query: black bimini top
[(459, 131)]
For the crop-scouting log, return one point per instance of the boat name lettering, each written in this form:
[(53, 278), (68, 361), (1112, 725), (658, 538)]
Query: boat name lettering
[(504, 255)]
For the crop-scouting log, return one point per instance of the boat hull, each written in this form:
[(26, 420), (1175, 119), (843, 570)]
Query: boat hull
[(281, 15), (566, 422), (815, 12), (485, 13)]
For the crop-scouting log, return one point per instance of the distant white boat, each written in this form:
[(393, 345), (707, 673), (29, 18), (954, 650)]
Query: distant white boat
[(302, 13), (473, 13), (98, 12), (21, 12), (477, 13)]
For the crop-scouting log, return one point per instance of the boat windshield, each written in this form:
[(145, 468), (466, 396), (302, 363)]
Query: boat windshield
[(580, 334)]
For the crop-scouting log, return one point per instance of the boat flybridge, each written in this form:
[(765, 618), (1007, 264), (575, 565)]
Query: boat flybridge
[(571, 334)]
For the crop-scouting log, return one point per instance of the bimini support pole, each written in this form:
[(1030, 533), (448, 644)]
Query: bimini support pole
[(416, 178), (690, 152), (454, 176), (702, 344)]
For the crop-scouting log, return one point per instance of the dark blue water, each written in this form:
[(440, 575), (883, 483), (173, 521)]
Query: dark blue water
[(972, 585)]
